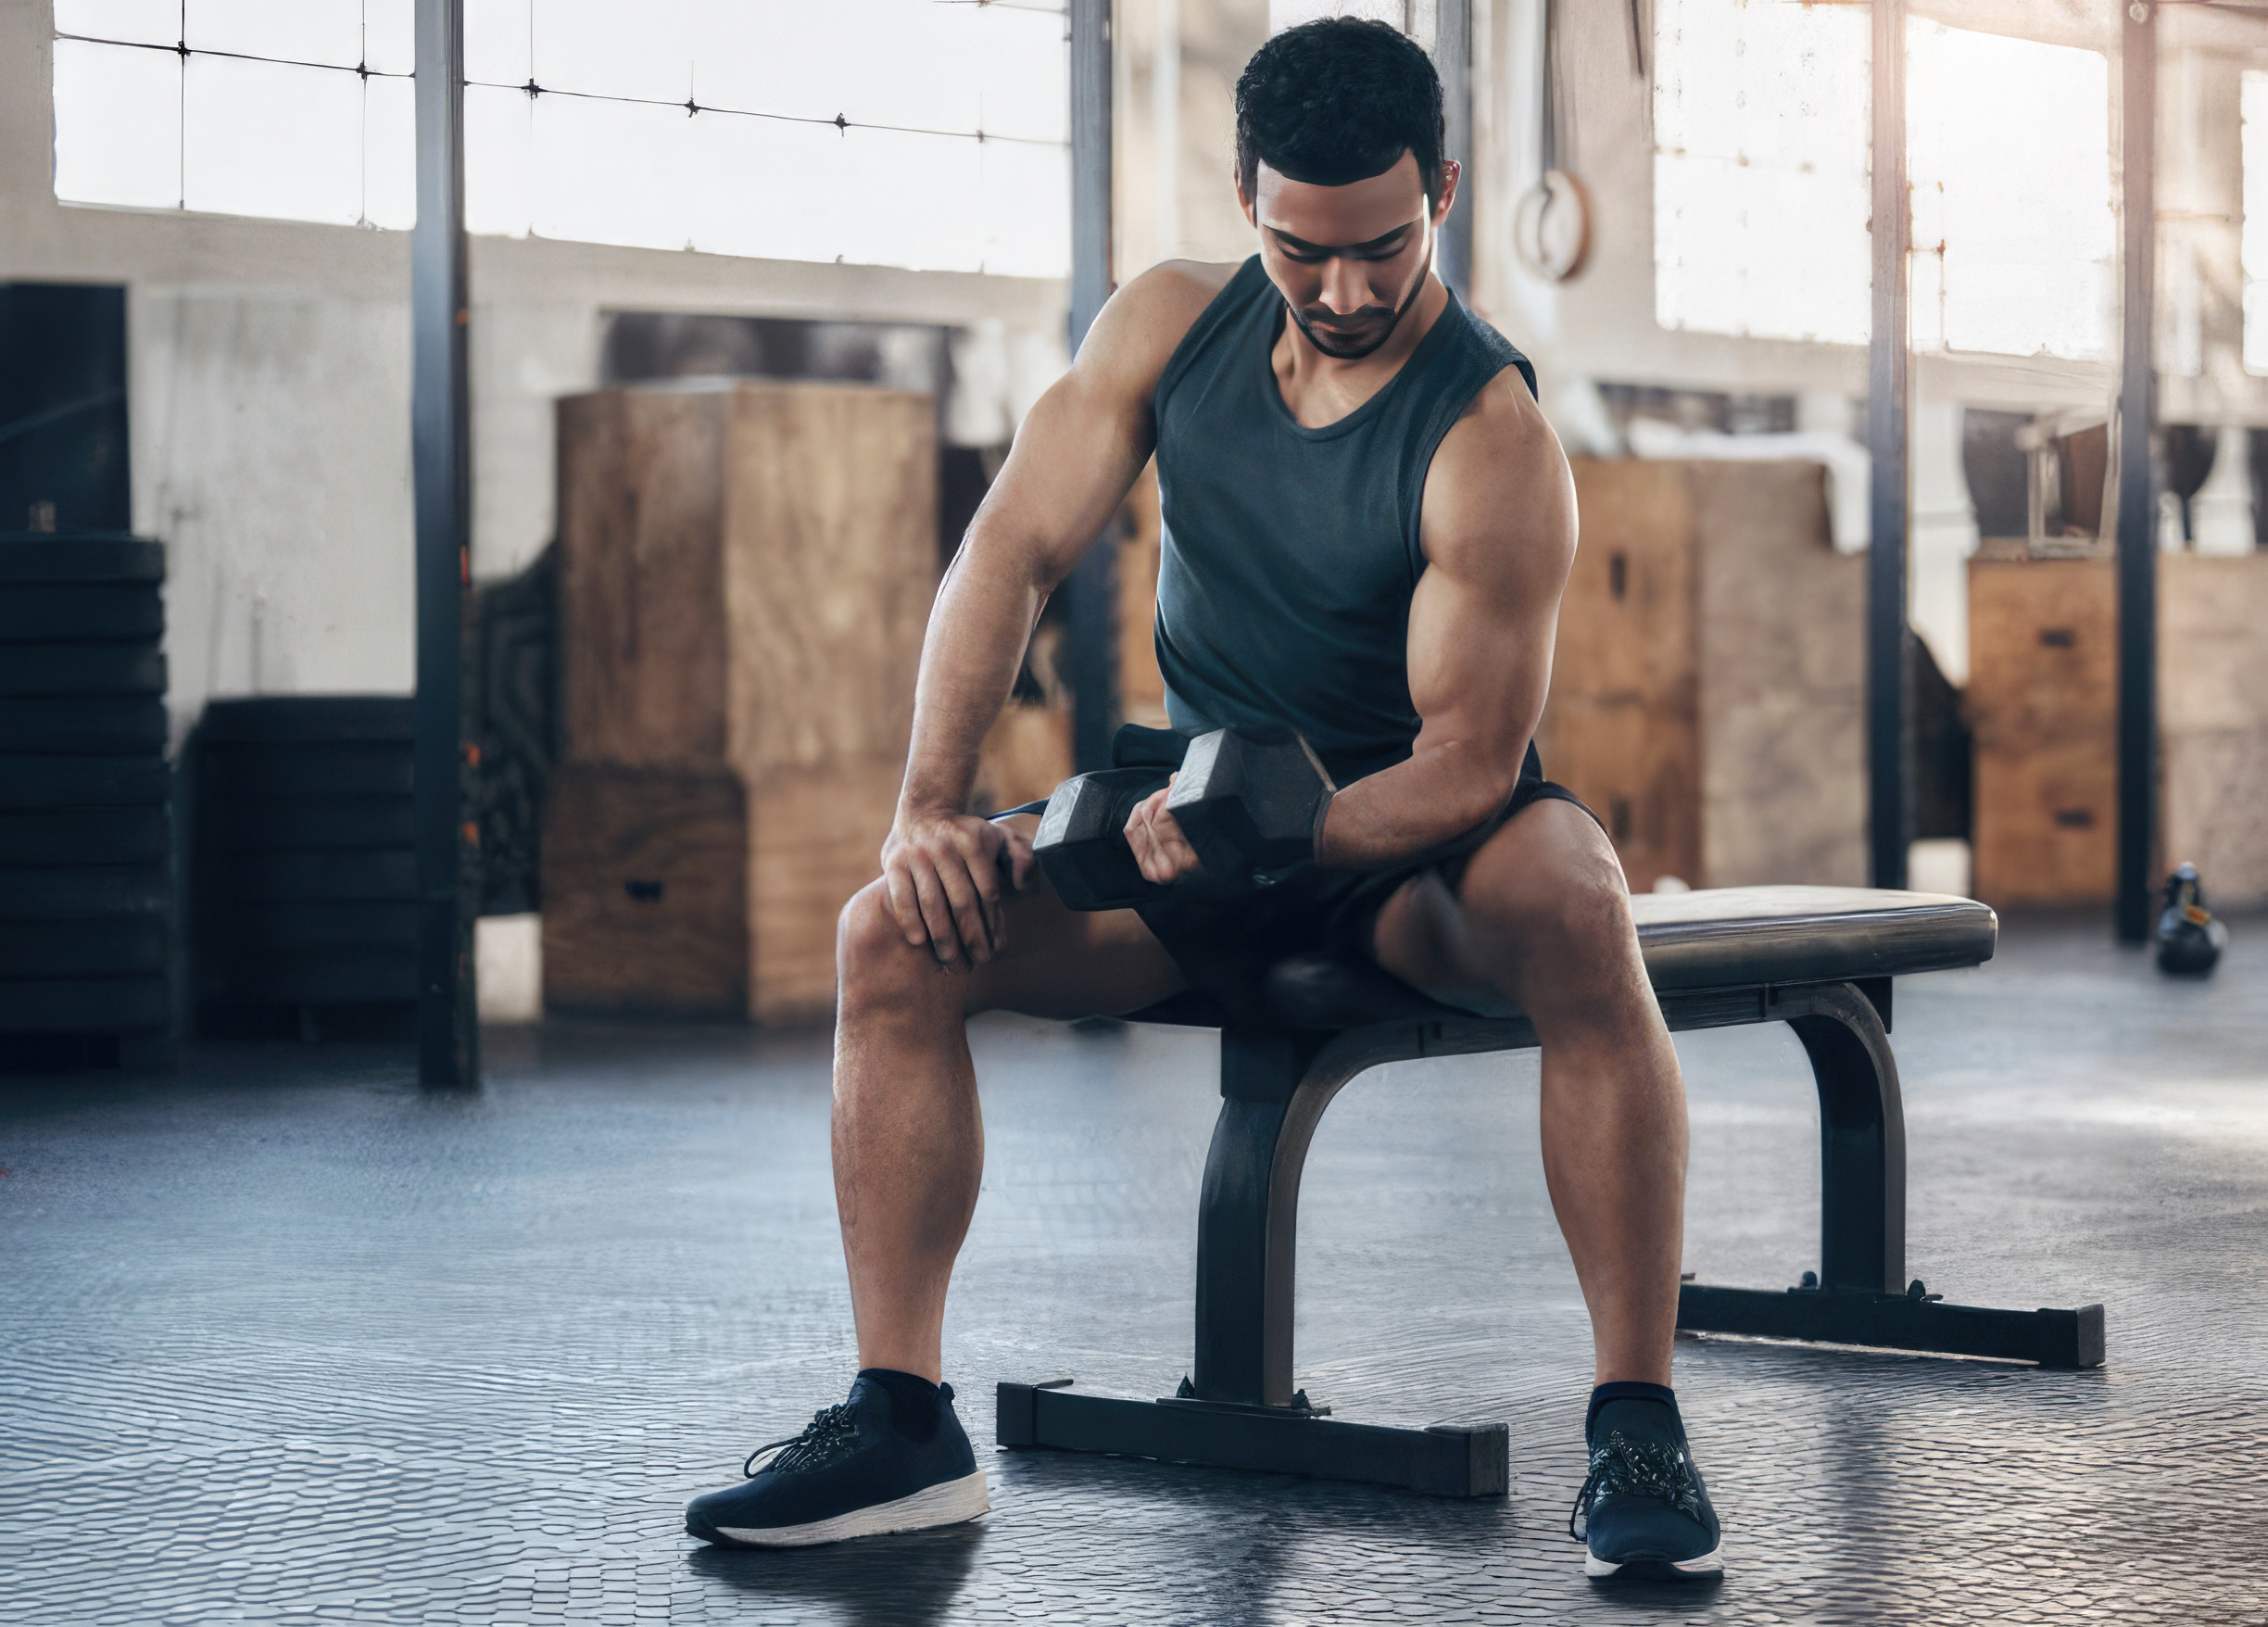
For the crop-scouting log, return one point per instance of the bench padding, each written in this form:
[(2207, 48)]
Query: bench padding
[(1733, 937)]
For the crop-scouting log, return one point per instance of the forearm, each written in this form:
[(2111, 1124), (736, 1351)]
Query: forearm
[(983, 618), (1437, 794)]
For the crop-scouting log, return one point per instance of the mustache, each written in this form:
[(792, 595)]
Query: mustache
[(1317, 315)]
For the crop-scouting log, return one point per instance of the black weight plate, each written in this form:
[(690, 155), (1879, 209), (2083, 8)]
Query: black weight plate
[(77, 725), (256, 929), (379, 874), (229, 772), (269, 825), (315, 978), (83, 949), (311, 719), (76, 892), (137, 668), (82, 610), (81, 1006), (63, 782), (82, 836), (35, 557)]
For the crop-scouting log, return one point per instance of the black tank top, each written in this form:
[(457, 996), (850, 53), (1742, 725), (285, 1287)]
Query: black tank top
[(1290, 554)]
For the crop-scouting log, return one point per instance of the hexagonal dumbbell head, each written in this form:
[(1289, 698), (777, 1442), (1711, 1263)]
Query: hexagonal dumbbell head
[(1250, 801), (1081, 843)]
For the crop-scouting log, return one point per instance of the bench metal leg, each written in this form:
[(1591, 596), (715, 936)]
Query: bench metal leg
[(1239, 1407), (1859, 1295)]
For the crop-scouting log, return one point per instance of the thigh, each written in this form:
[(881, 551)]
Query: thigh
[(1063, 962), (1545, 894)]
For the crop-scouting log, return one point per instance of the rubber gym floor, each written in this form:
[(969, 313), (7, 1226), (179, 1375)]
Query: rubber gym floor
[(285, 1340)]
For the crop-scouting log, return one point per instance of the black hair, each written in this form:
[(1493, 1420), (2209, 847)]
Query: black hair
[(1338, 100)]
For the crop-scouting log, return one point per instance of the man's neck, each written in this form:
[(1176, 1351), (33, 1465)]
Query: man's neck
[(1321, 388)]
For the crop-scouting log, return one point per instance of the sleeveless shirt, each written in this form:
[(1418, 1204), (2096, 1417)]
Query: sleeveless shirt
[(1290, 554)]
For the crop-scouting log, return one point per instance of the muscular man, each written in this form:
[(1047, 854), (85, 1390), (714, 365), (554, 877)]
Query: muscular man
[(1368, 525)]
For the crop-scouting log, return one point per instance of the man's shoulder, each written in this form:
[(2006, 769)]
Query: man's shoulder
[(1499, 465), (1146, 320), (1502, 422)]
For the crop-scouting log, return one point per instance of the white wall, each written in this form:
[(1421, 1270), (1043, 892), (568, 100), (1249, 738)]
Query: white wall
[(270, 385)]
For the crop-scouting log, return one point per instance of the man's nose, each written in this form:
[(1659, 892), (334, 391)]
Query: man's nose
[(1345, 289)]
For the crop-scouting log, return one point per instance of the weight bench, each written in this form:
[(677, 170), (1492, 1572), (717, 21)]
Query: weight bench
[(1820, 959)]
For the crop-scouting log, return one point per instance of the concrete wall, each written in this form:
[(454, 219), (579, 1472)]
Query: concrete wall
[(271, 392)]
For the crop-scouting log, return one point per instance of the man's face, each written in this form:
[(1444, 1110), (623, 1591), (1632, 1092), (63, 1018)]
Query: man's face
[(1348, 259)]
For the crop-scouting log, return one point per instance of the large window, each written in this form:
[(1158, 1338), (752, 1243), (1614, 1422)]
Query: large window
[(929, 133), (2255, 240), (1761, 188)]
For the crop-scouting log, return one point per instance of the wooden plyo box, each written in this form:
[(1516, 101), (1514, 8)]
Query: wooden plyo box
[(1706, 688), (2212, 720), (2043, 676), (745, 573)]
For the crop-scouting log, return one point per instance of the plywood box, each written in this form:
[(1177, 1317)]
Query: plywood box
[(2212, 708), (745, 573), (1707, 688), (646, 890), (2042, 700)]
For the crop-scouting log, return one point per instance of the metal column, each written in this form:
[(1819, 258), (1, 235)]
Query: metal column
[(1091, 666), (448, 1038), (1453, 60), (1887, 636), (2137, 415)]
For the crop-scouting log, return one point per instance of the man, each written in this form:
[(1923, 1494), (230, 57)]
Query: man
[(1368, 525)]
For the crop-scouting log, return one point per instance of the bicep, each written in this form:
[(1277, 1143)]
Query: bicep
[(1485, 612)]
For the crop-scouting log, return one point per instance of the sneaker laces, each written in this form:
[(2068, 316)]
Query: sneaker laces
[(831, 1435), (1624, 1467)]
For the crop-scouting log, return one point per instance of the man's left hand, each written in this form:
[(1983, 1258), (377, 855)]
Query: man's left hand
[(1160, 848)]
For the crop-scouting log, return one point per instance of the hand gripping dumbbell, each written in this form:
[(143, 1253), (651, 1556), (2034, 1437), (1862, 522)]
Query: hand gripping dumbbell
[(1245, 800)]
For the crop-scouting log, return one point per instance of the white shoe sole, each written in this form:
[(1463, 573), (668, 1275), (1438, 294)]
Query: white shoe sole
[(948, 1502), (1708, 1564)]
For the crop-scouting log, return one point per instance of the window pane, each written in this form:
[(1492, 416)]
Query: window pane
[(390, 153), (117, 125), (769, 187), (389, 35), (500, 194), (2015, 135), (610, 173), (497, 42), (2255, 239), (1023, 68), (148, 22), (919, 200), (907, 63), (605, 48), (1761, 191), (269, 138), (1027, 208), (299, 30)]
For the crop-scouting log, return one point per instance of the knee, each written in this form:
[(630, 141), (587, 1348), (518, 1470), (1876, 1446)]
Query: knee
[(874, 964), (1577, 916)]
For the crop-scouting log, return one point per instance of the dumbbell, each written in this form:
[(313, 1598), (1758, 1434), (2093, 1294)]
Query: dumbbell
[(1245, 800)]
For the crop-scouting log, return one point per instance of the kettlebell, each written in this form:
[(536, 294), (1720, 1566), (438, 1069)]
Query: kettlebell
[(2190, 939)]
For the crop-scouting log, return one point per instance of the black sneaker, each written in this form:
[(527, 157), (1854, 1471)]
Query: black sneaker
[(1646, 1513), (866, 1466)]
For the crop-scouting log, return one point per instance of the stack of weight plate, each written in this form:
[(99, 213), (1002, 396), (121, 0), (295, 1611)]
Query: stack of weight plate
[(305, 890), (85, 886)]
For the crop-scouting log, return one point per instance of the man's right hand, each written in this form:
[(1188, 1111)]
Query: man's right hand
[(942, 874)]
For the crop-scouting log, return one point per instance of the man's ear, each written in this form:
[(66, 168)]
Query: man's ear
[(1236, 179), (1452, 172)]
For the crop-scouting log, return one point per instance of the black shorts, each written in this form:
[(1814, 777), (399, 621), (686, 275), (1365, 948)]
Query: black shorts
[(1224, 945)]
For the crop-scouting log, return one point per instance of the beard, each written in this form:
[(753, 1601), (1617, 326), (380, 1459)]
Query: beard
[(1362, 332)]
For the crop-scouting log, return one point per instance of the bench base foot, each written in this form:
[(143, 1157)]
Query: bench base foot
[(1446, 1460), (1897, 1321)]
